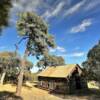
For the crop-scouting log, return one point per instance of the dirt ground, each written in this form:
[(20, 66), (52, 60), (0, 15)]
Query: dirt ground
[(32, 93)]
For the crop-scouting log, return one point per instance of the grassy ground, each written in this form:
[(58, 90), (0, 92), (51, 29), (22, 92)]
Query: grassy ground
[(28, 93)]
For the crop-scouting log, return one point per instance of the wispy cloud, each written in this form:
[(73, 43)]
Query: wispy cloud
[(24, 5), (54, 12), (74, 8), (47, 10), (82, 26), (92, 4), (61, 49), (58, 49), (76, 54), (72, 55), (58, 8)]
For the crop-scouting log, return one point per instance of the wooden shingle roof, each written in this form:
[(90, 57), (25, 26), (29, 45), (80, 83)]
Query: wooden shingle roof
[(60, 71)]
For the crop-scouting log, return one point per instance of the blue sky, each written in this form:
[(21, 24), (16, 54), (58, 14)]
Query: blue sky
[(75, 25)]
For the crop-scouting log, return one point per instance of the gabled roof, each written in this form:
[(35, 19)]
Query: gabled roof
[(60, 71)]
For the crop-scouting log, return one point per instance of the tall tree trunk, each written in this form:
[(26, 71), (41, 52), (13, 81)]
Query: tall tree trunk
[(2, 78), (20, 81), (20, 77)]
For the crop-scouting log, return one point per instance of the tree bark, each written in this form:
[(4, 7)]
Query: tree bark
[(20, 77), (2, 78), (20, 81)]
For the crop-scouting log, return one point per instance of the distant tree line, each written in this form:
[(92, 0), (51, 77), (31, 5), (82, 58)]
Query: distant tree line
[(49, 61), (10, 66)]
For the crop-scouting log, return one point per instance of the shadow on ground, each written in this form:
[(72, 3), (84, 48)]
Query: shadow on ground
[(28, 87), (5, 95), (88, 94)]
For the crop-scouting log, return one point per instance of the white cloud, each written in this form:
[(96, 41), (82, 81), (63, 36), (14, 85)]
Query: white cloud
[(72, 55), (61, 49), (54, 12), (62, 55), (62, 8), (58, 49), (81, 27), (52, 50), (46, 15), (24, 5), (74, 8), (92, 5), (58, 8), (76, 54)]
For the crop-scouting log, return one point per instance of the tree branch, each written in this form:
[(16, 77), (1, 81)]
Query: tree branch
[(23, 39)]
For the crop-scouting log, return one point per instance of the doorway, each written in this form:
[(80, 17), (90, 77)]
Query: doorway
[(78, 82)]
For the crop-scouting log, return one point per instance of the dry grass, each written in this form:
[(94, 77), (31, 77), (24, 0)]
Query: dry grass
[(29, 93), (34, 93)]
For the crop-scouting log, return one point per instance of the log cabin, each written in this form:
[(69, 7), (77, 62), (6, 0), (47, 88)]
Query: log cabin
[(62, 79)]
